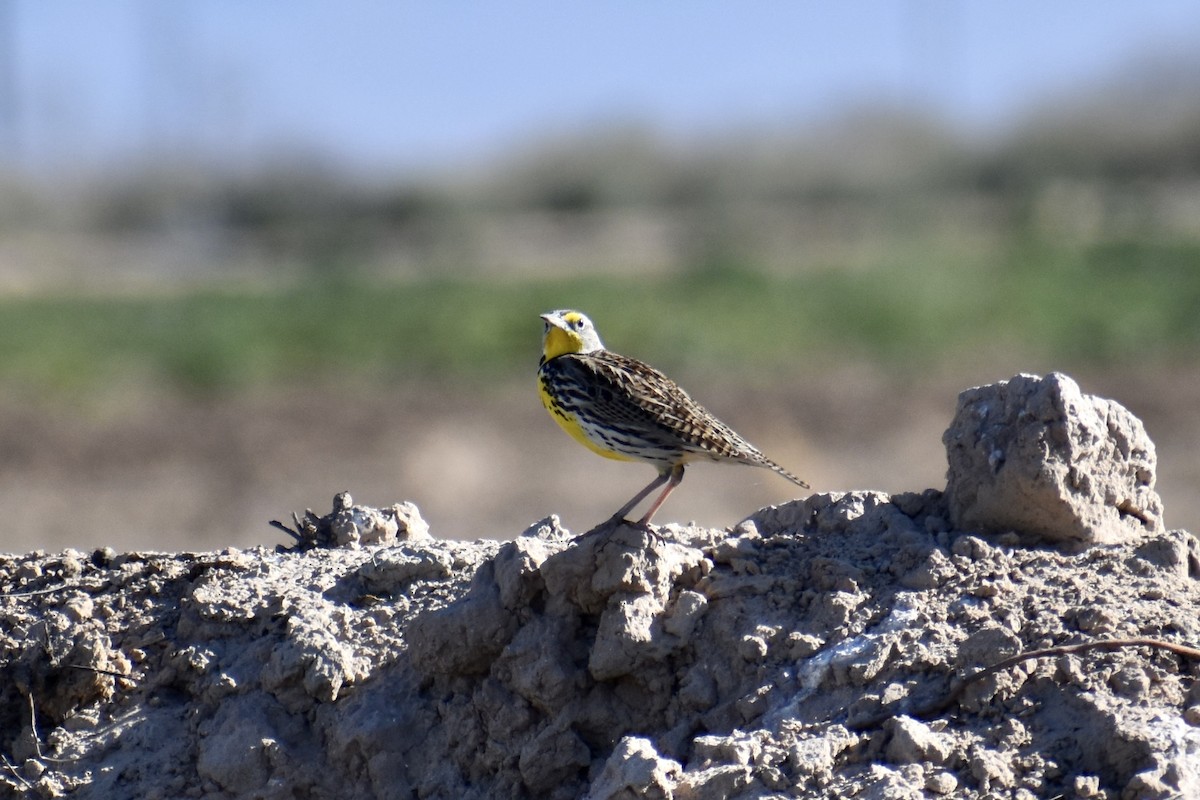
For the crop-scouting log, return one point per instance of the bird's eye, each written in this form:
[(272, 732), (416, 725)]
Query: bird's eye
[(579, 324)]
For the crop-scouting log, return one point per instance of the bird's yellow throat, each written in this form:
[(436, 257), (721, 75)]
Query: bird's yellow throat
[(559, 341)]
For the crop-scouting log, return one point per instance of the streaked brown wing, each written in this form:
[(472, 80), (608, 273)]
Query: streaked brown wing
[(634, 392)]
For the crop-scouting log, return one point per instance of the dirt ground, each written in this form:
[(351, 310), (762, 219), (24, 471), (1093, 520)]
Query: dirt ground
[(146, 470), (845, 645)]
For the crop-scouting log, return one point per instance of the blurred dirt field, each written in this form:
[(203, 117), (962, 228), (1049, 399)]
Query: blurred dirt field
[(165, 473)]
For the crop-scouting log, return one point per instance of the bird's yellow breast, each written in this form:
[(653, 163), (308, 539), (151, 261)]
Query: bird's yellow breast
[(569, 422)]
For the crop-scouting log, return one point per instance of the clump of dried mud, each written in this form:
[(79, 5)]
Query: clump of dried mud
[(817, 649)]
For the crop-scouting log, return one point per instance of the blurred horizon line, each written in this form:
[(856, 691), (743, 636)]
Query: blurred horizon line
[(1157, 97)]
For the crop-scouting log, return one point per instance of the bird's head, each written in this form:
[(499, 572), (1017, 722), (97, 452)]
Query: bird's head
[(569, 332)]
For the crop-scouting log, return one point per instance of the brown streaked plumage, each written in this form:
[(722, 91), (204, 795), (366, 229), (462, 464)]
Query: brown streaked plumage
[(621, 408)]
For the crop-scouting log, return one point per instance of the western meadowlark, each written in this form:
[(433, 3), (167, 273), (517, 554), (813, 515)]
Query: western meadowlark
[(621, 408)]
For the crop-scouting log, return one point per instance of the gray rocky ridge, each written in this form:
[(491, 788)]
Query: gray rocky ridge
[(805, 652)]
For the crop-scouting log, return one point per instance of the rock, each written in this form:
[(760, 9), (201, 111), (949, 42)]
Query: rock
[(1039, 457), (466, 636), (914, 742), (354, 525), (233, 752), (992, 770), (941, 783), (553, 757), (409, 522), (635, 771)]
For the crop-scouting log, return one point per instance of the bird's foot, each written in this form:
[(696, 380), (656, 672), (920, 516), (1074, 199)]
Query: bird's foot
[(641, 525), (616, 522)]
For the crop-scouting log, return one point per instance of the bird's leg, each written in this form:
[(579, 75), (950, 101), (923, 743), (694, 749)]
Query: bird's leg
[(673, 478), (640, 496)]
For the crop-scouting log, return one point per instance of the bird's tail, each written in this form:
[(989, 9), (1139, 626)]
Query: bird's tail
[(769, 463)]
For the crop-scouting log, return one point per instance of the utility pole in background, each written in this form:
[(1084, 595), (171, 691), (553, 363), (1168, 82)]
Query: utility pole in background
[(9, 102)]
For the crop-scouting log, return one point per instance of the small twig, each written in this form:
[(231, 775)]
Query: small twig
[(100, 671), (311, 531), (37, 740), (48, 590), (280, 526), (1061, 650), (957, 689), (12, 768)]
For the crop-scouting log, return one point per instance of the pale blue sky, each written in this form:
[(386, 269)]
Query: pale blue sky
[(385, 85)]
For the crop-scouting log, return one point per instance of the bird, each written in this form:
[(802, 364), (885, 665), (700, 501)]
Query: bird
[(624, 409)]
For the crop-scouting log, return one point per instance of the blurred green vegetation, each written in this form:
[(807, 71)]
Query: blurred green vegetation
[(1101, 304), (1072, 238)]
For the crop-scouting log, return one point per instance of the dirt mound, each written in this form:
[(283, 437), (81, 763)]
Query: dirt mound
[(825, 647)]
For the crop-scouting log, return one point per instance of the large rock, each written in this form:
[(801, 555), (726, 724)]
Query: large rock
[(1039, 457)]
